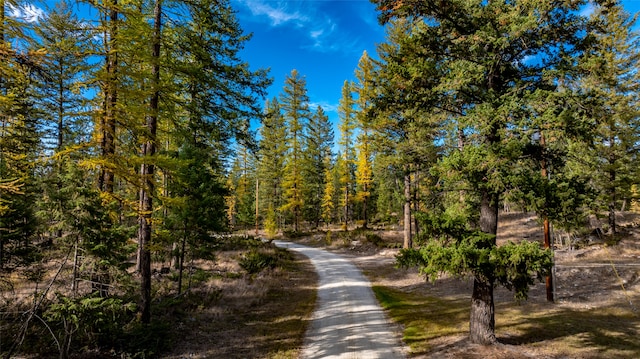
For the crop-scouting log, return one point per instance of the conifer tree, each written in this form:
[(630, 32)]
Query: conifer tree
[(364, 169), (67, 134), (346, 163), (611, 85), (63, 104), (480, 77), (295, 105), (329, 195), (272, 154), (317, 148), (243, 177), (405, 127), (197, 204), (19, 141), (147, 169)]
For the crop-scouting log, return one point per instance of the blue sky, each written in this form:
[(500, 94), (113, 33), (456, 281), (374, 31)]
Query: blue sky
[(322, 39)]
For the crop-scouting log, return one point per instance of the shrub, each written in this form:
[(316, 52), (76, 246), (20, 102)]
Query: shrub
[(255, 261), (374, 239)]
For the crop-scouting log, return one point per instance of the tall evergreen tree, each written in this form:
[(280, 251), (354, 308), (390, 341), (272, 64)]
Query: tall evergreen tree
[(317, 148), (295, 105), (364, 169), (147, 169), (346, 168), (479, 52), (273, 148), (329, 197), (243, 177), (611, 85), (64, 106), (19, 140), (405, 126)]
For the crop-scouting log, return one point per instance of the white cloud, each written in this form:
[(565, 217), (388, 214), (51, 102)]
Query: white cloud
[(316, 34), (326, 106), (277, 15), (320, 29), (26, 12)]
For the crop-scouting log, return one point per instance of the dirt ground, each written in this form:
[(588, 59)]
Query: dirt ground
[(586, 279)]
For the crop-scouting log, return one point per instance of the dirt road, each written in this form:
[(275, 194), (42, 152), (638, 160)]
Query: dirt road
[(347, 322)]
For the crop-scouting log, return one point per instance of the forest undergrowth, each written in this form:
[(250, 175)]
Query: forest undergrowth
[(231, 306)]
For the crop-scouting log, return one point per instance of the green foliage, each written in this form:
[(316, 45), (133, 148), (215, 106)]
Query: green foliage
[(272, 154), (91, 320), (346, 162), (317, 158), (454, 248), (255, 261), (145, 340), (232, 243), (295, 105), (271, 224), (266, 256), (517, 265), (374, 239)]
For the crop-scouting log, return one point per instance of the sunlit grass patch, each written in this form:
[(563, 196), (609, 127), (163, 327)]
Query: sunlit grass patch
[(424, 318), (544, 328)]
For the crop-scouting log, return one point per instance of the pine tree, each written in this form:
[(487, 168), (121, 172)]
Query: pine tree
[(197, 204), (405, 124), (243, 177), (67, 194), (63, 104), (317, 148), (295, 105), (19, 142), (480, 76), (272, 154), (611, 85), (329, 196), (346, 163), (364, 169), (147, 169)]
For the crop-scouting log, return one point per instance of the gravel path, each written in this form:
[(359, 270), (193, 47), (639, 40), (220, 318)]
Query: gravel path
[(348, 321)]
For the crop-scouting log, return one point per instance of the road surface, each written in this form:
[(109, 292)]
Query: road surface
[(348, 321)]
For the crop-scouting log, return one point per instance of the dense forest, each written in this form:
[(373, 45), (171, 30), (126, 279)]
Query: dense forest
[(129, 140)]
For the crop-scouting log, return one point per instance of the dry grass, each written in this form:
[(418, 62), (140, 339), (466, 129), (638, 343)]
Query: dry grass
[(263, 316), (226, 313)]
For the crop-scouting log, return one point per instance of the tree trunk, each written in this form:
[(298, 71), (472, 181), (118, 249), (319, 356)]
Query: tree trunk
[(147, 173), (612, 188), (111, 100), (482, 322), (181, 260), (346, 207), (408, 241), (546, 230), (74, 280), (416, 180), (482, 319), (612, 202)]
